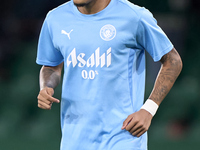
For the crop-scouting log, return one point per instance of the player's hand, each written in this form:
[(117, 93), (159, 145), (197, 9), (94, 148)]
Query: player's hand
[(45, 98), (138, 123)]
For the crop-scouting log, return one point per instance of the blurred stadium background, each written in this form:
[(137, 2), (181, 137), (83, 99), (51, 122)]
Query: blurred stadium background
[(23, 126)]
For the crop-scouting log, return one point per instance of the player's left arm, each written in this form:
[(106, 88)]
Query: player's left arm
[(138, 123)]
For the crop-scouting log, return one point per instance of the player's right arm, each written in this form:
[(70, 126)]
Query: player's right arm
[(49, 79)]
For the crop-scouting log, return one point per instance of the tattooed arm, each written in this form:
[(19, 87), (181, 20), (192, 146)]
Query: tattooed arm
[(49, 79), (138, 123), (170, 69)]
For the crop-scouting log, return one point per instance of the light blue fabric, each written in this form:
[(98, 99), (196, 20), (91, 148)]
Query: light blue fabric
[(104, 71)]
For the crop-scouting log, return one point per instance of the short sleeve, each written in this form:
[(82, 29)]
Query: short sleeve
[(47, 54), (151, 37)]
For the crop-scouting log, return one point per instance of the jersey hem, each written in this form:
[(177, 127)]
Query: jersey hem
[(162, 53), (46, 63)]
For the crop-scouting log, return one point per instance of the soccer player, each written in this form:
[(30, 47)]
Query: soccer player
[(102, 44)]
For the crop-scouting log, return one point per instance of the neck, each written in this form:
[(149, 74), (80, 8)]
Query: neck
[(93, 7)]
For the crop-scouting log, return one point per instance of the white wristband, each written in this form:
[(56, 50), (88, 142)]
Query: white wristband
[(150, 106)]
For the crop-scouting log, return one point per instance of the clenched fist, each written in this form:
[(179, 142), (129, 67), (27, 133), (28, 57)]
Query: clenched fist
[(45, 98)]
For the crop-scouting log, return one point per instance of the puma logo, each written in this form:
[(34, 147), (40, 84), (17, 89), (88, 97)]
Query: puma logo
[(68, 34)]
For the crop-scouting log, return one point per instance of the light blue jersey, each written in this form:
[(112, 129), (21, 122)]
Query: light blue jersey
[(104, 71)]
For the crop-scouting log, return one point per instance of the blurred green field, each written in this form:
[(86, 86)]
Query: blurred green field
[(23, 126), (47, 137)]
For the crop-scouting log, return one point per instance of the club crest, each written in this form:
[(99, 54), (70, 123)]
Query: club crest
[(108, 32)]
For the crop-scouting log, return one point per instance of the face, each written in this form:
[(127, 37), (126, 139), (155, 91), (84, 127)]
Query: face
[(82, 3)]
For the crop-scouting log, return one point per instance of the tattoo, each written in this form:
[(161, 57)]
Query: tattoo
[(49, 78), (171, 68)]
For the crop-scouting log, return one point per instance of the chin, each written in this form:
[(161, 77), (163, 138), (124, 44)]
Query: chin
[(80, 3)]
